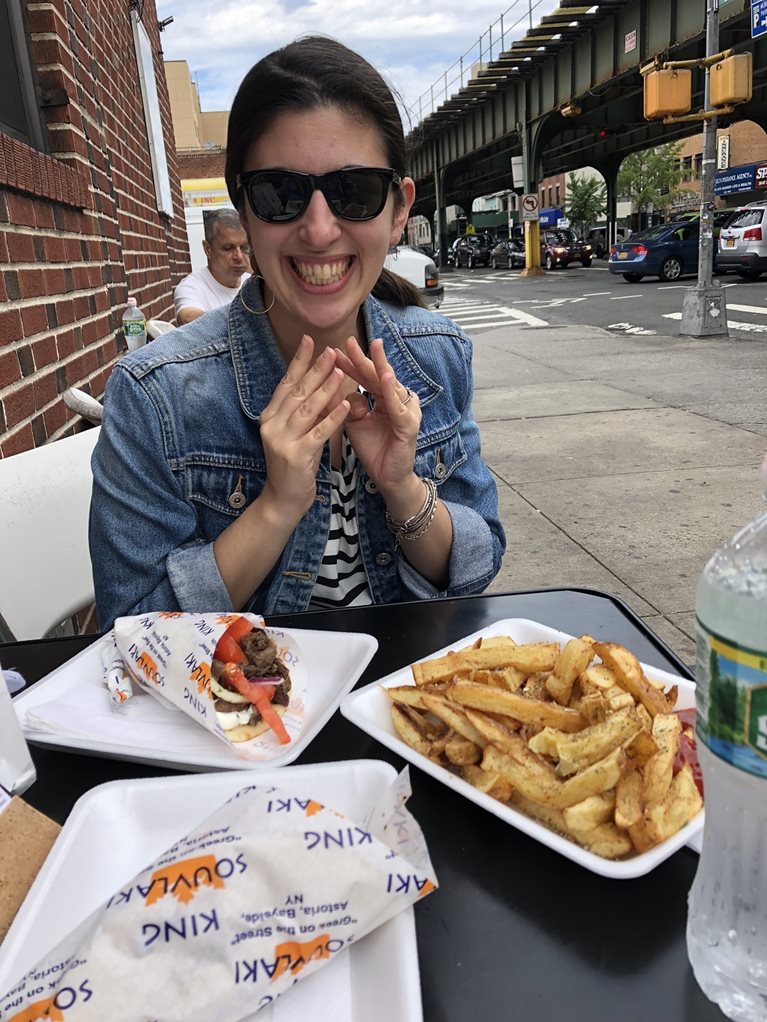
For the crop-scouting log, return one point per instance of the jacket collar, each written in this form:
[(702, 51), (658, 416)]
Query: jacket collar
[(259, 366)]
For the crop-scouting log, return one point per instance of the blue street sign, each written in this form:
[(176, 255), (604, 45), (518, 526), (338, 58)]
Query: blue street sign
[(758, 18)]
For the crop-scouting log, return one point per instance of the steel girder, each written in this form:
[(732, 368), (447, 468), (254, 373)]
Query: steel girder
[(470, 139)]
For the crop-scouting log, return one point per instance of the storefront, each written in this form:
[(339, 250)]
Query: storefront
[(741, 185)]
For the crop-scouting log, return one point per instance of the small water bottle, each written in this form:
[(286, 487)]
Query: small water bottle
[(134, 326), (727, 919)]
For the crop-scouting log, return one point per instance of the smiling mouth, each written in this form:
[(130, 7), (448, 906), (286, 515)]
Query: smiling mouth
[(320, 274)]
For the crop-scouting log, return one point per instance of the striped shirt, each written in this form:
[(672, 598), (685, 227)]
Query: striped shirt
[(341, 580)]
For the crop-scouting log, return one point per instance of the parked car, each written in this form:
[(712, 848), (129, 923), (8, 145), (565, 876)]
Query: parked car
[(667, 251), (743, 242), (561, 247), (472, 250), (509, 253), (420, 270)]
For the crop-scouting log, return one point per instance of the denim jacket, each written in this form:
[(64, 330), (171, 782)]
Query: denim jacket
[(179, 457)]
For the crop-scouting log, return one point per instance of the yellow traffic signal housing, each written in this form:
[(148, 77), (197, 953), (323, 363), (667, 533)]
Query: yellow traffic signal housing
[(731, 80), (667, 93)]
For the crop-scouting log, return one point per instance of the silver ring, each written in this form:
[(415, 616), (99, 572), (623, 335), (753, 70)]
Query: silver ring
[(409, 396)]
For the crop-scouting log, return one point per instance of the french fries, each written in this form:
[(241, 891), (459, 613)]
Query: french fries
[(577, 738)]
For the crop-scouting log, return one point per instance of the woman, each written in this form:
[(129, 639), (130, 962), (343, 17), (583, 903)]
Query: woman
[(311, 444)]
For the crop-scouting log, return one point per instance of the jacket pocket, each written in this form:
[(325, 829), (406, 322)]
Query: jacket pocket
[(439, 460), (220, 490)]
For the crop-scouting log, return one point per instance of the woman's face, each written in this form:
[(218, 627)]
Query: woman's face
[(321, 268)]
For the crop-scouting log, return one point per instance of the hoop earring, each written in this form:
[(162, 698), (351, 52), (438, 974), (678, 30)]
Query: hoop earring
[(255, 312)]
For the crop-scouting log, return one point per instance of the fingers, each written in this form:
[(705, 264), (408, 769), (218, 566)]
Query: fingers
[(305, 388), (368, 371)]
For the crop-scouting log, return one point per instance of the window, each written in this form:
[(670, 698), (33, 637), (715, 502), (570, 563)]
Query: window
[(19, 113), (152, 116)]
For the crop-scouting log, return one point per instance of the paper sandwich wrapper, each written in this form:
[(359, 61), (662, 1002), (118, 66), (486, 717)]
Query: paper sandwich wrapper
[(262, 894), (169, 655)]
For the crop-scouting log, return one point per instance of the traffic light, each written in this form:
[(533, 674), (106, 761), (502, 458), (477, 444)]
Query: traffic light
[(667, 93), (730, 80)]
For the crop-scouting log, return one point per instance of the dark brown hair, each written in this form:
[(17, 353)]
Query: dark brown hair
[(306, 74)]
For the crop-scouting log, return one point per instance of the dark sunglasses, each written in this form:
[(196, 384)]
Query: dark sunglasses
[(279, 196)]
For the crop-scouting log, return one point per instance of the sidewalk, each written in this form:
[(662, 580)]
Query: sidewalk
[(621, 462)]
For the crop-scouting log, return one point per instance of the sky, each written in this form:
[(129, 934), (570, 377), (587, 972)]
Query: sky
[(412, 42)]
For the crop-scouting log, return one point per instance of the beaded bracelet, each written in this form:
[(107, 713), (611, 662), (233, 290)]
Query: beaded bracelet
[(418, 524)]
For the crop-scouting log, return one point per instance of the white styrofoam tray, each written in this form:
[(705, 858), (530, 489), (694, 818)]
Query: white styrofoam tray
[(370, 709), (167, 737), (115, 829)]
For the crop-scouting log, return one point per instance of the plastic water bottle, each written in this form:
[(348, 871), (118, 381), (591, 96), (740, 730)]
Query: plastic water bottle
[(134, 326), (727, 920)]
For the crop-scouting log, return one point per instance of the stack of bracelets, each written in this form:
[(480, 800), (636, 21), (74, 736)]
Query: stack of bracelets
[(416, 526)]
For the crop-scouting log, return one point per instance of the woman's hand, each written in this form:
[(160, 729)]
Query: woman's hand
[(384, 438), (305, 410)]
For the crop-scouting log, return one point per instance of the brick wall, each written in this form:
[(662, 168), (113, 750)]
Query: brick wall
[(79, 226)]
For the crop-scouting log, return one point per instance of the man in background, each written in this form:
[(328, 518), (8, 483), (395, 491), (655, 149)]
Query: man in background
[(226, 246)]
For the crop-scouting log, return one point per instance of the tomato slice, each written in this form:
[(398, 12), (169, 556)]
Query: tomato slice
[(228, 648), (261, 696)]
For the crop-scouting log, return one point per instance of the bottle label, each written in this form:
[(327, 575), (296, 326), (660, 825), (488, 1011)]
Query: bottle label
[(731, 698), (134, 327)]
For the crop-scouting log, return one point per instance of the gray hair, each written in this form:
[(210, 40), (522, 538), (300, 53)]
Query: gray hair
[(211, 218)]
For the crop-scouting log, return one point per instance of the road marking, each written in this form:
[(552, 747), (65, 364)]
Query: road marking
[(622, 298), (627, 328), (671, 287), (524, 317), (596, 294), (748, 308), (749, 328)]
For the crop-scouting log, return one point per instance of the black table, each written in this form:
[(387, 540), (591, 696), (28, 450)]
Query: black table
[(515, 931)]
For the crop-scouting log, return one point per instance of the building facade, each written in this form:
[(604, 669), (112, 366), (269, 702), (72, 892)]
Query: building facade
[(90, 203)]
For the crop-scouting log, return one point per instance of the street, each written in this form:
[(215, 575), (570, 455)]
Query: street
[(482, 298), (624, 453)]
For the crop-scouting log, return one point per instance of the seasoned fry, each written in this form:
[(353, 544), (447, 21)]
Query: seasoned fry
[(492, 784), (591, 812), (529, 711), (658, 770), (630, 676), (492, 730), (576, 751), (454, 716), (586, 748), (628, 798), (461, 751), (572, 661)]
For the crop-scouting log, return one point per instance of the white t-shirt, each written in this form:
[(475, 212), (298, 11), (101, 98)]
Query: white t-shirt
[(201, 290)]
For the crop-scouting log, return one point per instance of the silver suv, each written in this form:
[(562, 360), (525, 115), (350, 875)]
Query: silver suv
[(743, 242)]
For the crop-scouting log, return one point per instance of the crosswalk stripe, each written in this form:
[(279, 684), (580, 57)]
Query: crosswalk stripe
[(758, 309), (524, 317), (749, 328)]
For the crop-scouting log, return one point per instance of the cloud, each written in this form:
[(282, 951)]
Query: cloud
[(412, 42)]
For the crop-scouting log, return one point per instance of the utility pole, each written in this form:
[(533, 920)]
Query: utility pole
[(704, 312)]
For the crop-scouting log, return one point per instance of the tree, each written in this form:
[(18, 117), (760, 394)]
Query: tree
[(651, 177), (586, 201)]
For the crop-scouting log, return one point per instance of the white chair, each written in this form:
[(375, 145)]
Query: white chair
[(155, 327), (81, 402), (45, 567)]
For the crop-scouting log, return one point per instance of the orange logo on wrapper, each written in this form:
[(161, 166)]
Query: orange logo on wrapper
[(183, 878), (200, 677), (313, 807), (293, 955), (148, 667), (427, 888), (164, 615), (40, 1011)]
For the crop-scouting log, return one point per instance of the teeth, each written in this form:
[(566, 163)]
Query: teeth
[(322, 273)]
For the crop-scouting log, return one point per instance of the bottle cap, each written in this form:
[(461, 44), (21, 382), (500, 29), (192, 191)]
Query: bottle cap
[(132, 302)]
